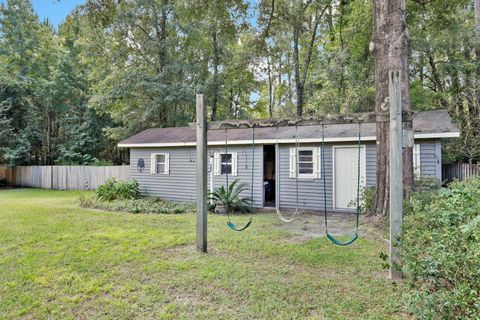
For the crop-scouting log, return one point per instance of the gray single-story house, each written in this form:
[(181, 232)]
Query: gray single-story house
[(162, 160)]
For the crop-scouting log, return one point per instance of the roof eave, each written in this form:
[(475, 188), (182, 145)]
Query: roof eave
[(438, 135)]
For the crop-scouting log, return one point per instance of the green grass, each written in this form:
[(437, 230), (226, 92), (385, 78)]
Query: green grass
[(59, 261)]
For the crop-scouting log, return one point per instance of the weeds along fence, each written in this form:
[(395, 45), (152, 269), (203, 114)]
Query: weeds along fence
[(460, 171), (63, 177)]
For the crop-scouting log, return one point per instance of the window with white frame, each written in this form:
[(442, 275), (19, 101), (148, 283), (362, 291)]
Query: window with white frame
[(160, 163), (225, 163), (305, 162)]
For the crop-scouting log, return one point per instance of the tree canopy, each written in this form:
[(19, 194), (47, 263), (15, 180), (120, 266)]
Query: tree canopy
[(114, 68)]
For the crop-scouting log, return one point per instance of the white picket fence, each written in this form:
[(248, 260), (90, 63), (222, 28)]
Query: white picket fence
[(66, 177)]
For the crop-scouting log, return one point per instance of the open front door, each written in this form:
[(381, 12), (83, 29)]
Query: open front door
[(269, 176)]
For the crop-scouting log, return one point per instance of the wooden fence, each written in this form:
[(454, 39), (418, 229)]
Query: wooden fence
[(63, 177), (460, 171)]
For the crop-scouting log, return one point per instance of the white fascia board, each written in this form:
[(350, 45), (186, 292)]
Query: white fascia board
[(154, 145), (282, 141), (438, 135), (239, 142)]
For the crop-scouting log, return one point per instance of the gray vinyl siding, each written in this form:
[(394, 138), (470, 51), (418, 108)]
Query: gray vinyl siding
[(244, 171), (438, 156), (430, 159), (310, 191), (371, 164), (180, 184)]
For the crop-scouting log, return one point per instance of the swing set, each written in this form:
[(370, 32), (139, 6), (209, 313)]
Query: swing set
[(334, 240), (398, 138)]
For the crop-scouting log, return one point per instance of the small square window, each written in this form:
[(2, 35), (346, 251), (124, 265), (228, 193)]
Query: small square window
[(226, 163)]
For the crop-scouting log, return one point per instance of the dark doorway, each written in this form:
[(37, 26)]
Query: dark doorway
[(269, 175)]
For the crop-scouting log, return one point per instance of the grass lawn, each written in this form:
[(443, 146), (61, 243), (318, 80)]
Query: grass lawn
[(59, 261)]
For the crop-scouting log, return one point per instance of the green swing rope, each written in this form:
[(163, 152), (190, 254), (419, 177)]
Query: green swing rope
[(297, 210), (329, 236), (230, 223)]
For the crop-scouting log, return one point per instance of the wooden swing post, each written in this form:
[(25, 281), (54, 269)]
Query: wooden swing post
[(396, 170), (201, 129)]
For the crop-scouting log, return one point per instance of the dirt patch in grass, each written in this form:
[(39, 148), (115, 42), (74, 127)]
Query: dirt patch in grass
[(310, 225)]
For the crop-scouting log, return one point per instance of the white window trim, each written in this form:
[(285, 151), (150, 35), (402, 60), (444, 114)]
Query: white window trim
[(316, 161), (153, 163), (417, 161), (218, 163)]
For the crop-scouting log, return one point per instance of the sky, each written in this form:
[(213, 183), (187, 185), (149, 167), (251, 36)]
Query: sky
[(55, 10)]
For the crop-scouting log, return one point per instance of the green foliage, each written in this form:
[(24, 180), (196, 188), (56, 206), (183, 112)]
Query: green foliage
[(143, 205), (231, 197), (4, 183), (367, 199), (44, 92), (114, 68), (118, 190), (440, 251), (427, 184)]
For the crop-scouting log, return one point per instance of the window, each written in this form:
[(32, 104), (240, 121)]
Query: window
[(226, 163), (160, 163), (305, 162)]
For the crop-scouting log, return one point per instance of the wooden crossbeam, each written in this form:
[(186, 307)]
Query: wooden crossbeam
[(329, 119)]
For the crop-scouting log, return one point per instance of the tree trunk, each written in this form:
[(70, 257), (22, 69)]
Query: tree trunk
[(270, 88), (161, 33), (469, 98), (435, 75), (280, 69), (289, 77), (298, 83), (477, 52), (389, 47), (216, 62)]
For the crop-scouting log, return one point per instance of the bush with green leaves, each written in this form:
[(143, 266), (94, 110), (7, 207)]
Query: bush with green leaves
[(3, 183), (440, 252), (142, 205), (118, 190), (230, 197), (367, 199)]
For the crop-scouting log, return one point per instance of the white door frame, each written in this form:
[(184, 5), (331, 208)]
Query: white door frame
[(363, 168), (277, 176)]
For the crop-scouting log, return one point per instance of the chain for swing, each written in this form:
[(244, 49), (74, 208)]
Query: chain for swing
[(358, 209)]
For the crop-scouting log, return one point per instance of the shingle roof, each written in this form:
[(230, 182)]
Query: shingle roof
[(427, 124)]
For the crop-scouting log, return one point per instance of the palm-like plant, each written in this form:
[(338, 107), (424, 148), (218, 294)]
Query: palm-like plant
[(230, 197)]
